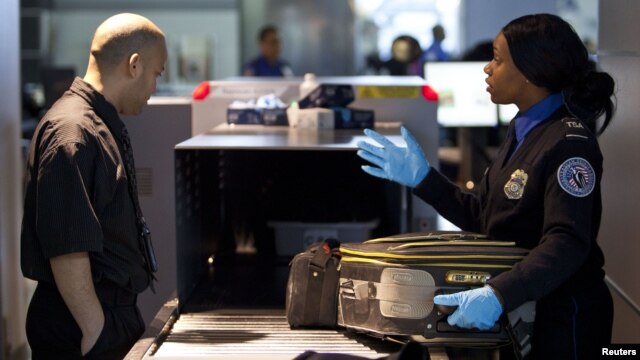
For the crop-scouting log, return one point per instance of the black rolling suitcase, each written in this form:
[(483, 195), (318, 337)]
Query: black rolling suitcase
[(387, 285)]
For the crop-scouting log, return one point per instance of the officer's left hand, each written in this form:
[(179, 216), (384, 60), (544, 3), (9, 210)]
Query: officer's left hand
[(405, 165), (478, 308)]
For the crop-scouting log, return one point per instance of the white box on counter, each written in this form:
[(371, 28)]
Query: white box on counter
[(315, 118)]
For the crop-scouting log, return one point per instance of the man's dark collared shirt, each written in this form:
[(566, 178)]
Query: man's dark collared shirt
[(77, 196)]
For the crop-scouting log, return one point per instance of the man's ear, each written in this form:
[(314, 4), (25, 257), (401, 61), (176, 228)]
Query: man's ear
[(135, 66)]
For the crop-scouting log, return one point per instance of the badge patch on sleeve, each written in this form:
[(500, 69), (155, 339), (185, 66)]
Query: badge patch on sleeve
[(577, 177)]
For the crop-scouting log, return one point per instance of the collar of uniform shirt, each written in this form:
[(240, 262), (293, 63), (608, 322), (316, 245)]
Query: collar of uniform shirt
[(535, 115)]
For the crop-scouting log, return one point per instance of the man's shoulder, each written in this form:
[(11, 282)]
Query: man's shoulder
[(70, 120)]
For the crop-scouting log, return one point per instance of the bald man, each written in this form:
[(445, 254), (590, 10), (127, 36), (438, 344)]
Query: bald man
[(84, 239)]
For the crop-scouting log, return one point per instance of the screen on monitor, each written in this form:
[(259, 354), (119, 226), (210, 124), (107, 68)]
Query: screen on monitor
[(506, 113), (463, 100)]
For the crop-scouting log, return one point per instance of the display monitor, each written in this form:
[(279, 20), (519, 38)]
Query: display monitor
[(463, 100), (506, 113)]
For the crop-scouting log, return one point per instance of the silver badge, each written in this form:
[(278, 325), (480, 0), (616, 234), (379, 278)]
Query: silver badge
[(514, 188)]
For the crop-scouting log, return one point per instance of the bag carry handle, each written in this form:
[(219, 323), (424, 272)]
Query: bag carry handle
[(327, 251)]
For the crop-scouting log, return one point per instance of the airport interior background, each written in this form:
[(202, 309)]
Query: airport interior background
[(210, 40)]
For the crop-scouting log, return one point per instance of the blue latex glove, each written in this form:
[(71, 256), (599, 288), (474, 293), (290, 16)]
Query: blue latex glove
[(405, 165), (477, 308)]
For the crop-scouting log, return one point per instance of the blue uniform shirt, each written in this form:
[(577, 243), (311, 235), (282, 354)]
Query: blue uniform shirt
[(535, 115), (260, 66), (434, 53)]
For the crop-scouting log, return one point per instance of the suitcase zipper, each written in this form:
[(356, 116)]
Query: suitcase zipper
[(387, 263), (428, 257), (454, 243), (429, 236)]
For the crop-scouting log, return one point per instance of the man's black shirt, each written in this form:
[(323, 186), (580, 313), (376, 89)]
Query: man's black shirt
[(77, 197)]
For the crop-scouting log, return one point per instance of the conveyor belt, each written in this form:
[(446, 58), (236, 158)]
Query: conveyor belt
[(216, 335)]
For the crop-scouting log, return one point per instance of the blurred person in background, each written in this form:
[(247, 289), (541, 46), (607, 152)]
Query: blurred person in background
[(405, 58), (268, 63), (435, 52)]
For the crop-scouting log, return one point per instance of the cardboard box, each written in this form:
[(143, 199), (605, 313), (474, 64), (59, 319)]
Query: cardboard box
[(348, 118), (315, 118), (244, 116), (257, 117), (327, 95), (335, 97), (275, 117)]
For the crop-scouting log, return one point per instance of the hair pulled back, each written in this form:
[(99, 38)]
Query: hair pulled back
[(549, 53)]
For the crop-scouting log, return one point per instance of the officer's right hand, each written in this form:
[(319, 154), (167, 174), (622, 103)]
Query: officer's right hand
[(405, 165), (478, 308)]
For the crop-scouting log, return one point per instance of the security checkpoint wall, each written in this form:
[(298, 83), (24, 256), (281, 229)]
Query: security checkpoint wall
[(417, 114), (619, 54), (164, 122), (13, 288)]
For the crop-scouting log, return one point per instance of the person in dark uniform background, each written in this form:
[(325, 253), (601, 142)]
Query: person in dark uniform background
[(435, 52), (542, 191), (84, 239), (268, 63)]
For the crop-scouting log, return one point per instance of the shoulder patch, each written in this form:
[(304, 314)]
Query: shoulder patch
[(575, 129), (577, 177)]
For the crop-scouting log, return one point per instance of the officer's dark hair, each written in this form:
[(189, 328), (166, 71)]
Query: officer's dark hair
[(266, 30), (549, 53)]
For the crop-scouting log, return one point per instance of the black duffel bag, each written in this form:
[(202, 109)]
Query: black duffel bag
[(312, 288)]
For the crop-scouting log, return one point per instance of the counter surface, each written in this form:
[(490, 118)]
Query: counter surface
[(255, 137)]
